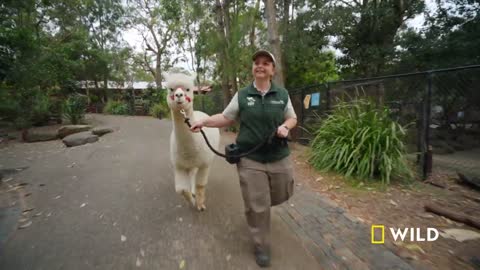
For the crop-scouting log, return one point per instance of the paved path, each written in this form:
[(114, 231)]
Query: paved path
[(112, 205), (467, 162), (336, 239)]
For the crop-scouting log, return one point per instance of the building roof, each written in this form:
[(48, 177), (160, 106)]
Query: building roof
[(139, 85), (117, 85), (202, 89)]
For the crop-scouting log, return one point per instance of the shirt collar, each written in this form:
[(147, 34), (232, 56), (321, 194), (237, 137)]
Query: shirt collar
[(272, 88)]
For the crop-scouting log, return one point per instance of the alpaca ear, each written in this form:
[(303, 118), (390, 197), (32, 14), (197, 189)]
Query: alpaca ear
[(165, 75), (193, 75)]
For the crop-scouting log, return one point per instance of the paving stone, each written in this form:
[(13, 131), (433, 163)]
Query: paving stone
[(350, 260), (335, 238)]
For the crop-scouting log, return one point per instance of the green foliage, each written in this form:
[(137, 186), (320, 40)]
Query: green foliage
[(26, 107), (116, 107), (208, 104), (40, 109), (75, 107), (159, 110), (155, 97), (362, 141), (9, 105), (450, 37)]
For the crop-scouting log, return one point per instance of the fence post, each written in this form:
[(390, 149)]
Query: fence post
[(427, 152), (328, 97), (302, 95)]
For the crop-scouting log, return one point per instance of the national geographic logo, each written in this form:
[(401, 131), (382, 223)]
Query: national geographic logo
[(378, 234)]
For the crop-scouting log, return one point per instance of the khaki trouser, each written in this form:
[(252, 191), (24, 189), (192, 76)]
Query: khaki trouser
[(263, 186)]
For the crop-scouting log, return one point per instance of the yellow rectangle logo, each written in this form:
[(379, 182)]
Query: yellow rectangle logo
[(381, 241)]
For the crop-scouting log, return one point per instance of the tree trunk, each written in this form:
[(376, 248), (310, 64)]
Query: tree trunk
[(254, 22), (274, 40), (227, 96), (158, 70), (231, 67), (453, 214), (286, 14), (286, 22)]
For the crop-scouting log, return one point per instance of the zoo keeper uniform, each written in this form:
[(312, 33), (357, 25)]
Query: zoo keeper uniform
[(266, 176)]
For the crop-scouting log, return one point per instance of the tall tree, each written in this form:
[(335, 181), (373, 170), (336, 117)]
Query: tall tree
[(274, 40), (450, 37), (223, 50), (156, 21)]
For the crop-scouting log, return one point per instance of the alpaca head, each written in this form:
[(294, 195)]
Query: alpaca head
[(180, 91)]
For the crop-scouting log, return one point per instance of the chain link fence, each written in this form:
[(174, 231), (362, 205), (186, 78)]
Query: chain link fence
[(440, 110)]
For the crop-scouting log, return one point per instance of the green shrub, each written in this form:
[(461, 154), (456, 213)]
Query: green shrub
[(160, 111), (9, 105), (203, 103), (75, 107), (116, 107), (24, 106), (40, 111), (360, 140)]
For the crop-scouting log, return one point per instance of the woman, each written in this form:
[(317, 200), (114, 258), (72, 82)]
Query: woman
[(266, 175)]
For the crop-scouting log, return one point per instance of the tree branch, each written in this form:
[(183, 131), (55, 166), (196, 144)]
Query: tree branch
[(149, 47), (346, 3), (147, 65)]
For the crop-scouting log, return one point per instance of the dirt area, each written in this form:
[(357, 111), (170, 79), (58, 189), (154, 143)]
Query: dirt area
[(401, 206), (398, 206)]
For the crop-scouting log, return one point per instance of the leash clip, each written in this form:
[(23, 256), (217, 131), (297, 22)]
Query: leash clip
[(184, 114), (187, 120)]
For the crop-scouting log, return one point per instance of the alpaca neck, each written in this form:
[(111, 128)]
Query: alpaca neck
[(182, 131)]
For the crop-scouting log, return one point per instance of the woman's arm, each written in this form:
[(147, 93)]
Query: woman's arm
[(283, 129), (217, 120)]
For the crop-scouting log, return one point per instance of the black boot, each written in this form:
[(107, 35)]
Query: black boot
[(262, 257)]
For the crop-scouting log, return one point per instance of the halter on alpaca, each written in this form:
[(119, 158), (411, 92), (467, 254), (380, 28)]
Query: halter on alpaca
[(190, 155)]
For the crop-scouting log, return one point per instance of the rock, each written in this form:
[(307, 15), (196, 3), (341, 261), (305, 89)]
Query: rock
[(441, 147), (100, 131), (473, 131), (72, 129), (467, 141), (440, 134), (39, 134), (457, 145), (468, 252), (460, 234), (80, 139)]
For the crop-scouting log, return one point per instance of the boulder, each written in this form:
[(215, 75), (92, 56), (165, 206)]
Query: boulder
[(80, 139), (72, 129), (39, 134), (468, 141), (457, 146), (440, 134), (100, 131), (441, 147)]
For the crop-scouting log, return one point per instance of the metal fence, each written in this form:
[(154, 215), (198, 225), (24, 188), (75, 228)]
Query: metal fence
[(441, 109)]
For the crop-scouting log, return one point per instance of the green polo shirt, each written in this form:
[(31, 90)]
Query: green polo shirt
[(259, 116)]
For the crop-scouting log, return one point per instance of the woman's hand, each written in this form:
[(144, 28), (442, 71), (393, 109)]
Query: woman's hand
[(197, 125), (282, 131)]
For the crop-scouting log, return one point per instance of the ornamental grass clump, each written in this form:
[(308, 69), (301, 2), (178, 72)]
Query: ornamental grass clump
[(360, 140)]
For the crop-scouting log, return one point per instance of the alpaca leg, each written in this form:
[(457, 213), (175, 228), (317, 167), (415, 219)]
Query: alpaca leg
[(183, 185), (201, 182)]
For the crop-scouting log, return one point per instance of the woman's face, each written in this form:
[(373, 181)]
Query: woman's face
[(263, 68)]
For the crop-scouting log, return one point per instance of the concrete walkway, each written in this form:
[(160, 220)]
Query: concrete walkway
[(112, 205), (336, 239), (466, 162)]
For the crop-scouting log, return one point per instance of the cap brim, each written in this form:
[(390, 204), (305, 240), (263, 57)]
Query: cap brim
[(263, 53)]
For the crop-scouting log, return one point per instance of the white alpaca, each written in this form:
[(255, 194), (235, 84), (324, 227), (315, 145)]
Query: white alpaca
[(189, 153)]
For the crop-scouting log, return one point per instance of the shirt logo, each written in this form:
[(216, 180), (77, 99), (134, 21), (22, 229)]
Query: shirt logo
[(277, 102), (251, 101)]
